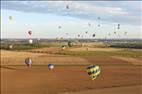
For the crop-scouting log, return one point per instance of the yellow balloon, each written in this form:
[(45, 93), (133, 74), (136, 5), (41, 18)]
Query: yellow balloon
[(93, 71)]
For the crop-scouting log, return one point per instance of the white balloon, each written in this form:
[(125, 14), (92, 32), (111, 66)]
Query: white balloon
[(50, 66), (10, 46), (30, 41)]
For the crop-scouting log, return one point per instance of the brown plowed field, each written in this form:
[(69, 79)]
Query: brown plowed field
[(69, 75)]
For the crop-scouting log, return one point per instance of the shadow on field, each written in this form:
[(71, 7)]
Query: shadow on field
[(5, 67)]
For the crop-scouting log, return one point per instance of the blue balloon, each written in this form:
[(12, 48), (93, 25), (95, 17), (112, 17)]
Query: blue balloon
[(50, 66)]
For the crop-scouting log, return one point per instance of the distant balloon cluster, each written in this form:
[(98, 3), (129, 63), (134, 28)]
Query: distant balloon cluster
[(67, 7), (93, 70)]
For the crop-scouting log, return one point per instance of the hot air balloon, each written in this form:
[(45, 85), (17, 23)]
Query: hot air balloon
[(89, 24), (30, 41), (99, 18), (125, 33), (59, 27), (93, 71), (10, 17), (78, 35), (30, 32), (70, 44), (50, 66), (67, 6), (93, 35), (10, 46), (118, 27), (28, 62), (63, 47), (99, 25)]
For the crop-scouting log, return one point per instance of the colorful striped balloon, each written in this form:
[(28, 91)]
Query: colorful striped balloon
[(93, 71), (28, 62)]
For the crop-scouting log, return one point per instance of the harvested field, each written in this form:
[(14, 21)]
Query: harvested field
[(69, 75), (39, 80)]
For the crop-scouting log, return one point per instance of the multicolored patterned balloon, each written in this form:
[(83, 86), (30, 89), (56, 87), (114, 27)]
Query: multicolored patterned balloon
[(93, 71)]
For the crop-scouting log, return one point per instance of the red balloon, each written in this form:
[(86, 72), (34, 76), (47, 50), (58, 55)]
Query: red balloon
[(30, 32)]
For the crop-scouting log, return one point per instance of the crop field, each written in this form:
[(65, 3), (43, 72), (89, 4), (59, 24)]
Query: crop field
[(120, 71)]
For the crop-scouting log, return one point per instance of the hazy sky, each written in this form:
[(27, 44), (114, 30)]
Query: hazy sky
[(44, 17)]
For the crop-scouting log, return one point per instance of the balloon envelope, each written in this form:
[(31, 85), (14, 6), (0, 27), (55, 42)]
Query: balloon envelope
[(78, 35), (30, 32), (10, 17), (89, 24), (50, 66), (59, 27), (67, 6), (10, 46), (125, 33), (28, 61), (118, 26), (94, 35), (99, 18), (30, 41), (93, 71)]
